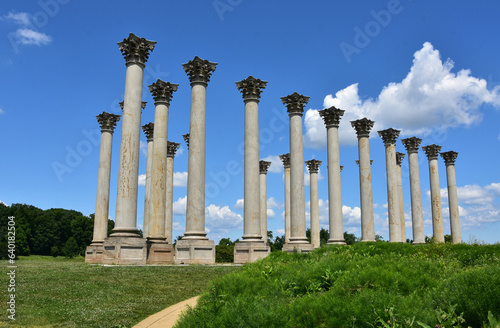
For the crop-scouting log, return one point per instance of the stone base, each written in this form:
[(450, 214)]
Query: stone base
[(94, 254), (195, 251), (336, 242), (248, 252), (125, 250), (160, 253), (297, 248)]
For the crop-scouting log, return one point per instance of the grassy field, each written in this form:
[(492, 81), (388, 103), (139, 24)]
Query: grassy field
[(58, 292), (364, 285)]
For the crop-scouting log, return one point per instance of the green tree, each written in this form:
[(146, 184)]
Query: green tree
[(349, 238), (226, 242), (277, 244), (70, 248)]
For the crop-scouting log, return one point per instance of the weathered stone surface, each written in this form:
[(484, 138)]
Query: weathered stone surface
[(125, 250), (432, 152), (285, 159), (248, 252), (194, 251)]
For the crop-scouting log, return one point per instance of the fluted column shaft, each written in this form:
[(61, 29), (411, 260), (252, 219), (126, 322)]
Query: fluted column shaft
[(437, 216), (107, 122), (456, 233), (389, 136), (417, 220), (363, 127), (149, 130)]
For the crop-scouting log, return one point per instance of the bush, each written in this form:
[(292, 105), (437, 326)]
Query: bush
[(54, 251), (224, 253), (71, 248)]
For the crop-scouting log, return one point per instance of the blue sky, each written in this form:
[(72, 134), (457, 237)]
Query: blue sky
[(428, 68)]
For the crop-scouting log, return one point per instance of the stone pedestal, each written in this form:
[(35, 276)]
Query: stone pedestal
[(93, 253), (331, 116), (417, 220), (363, 127), (389, 137), (125, 250), (195, 240), (149, 131), (449, 159), (432, 152), (399, 161), (295, 104), (248, 252), (313, 166), (297, 248), (195, 251), (160, 253), (285, 158)]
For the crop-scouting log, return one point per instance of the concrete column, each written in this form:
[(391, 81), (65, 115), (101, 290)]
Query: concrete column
[(251, 89), (449, 159), (285, 158), (149, 131), (331, 117), (389, 137), (399, 161), (417, 219), (263, 167), (200, 250), (313, 166), (169, 199), (162, 93), (437, 216), (363, 127), (107, 122), (136, 52), (295, 104)]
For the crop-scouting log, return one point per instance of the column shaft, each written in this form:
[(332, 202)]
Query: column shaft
[(365, 181), (314, 201), (417, 220), (437, 216), (263, 206), (103, 181), (287, 205), (195, 211), (147, 197), (126, 200), (456, 234), (334, 188), (169, 198), (392, 194), (401, 204), (251, 229)]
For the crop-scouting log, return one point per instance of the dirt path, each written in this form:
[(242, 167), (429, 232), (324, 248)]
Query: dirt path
[(168, 317)]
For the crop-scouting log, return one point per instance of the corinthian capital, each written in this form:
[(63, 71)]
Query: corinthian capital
[(149, 130), (399, 158), (136, 50), (264, 166), (295, 103), (162, 91), (389, 136), (362, 127), (411, 144), (186, 139), (331, 116), (285, 158), (449, 157), (251, 88), (432, 151), (199, 70), (172, 148), (107, 121), (313, 165)]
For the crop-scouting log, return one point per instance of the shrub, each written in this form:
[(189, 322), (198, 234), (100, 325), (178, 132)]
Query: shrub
[(224, 253), (71, 248)]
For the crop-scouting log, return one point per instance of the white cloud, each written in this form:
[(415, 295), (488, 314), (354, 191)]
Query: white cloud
[(240, 203), (180, 179), (352, 215), (179, 206), (273, 203), (276, 164), (3, 203), (1, 111), (142, 180), (26, 36), (180, 151), (220, 219), (270, 213), (430, 97), (19, 18), (278, 232), (144, 147)]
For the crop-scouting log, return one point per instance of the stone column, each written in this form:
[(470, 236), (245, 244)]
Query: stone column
[(186, 139), (95, 251), (195, 246), (313, 166), (331, 116), (399, 161), (295, 104), (285, 158), (389, 137), (449, 160), (169, 199), (136, 52), (149, 131), (437, 216), (417, 220), (159, 250), (263, 167), (363, 127)]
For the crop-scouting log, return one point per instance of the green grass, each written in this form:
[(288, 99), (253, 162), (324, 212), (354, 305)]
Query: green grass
[(364, 285), (60, 292)]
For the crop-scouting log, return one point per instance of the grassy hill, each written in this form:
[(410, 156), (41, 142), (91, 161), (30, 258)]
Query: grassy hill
[(364, 285)]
